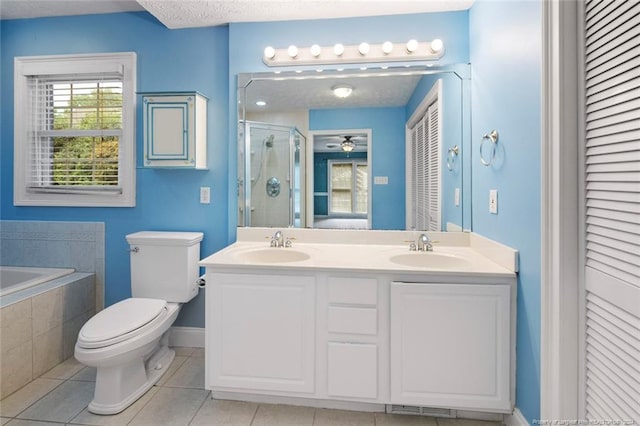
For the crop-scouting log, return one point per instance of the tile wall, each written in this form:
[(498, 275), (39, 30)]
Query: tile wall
[(78, 245)]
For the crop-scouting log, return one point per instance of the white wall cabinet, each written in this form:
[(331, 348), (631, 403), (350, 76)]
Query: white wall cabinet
[(450, 346), (175, 130), (262, 330)]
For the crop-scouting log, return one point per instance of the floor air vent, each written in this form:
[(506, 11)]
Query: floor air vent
[(420, 411)]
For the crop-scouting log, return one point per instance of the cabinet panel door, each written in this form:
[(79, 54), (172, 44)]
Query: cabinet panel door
[(263, 332), (352, 370), (450, 345)]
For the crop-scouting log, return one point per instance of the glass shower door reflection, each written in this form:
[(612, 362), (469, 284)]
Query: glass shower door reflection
[(270, 195)]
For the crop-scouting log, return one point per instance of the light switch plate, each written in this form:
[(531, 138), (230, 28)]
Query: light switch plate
[(205, 195), (380, 180), (456, 197), (493, 201)]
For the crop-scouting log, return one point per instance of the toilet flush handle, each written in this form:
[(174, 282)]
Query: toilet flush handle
[(135, 249)]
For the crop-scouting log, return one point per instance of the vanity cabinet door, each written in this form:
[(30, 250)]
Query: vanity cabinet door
[(450, 346), (352, 370), (261, 330)]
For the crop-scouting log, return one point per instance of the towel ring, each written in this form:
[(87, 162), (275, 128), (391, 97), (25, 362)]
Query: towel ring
[(451, 157), (493, 138)]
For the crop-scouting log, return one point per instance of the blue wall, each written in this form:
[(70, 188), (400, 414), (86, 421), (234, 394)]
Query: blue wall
[(506, 63), (385, 159), (168, 60)]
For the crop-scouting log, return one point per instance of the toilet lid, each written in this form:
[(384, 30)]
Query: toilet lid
[(121, 321)]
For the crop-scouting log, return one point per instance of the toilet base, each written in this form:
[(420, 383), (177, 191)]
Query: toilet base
[(117, 387)]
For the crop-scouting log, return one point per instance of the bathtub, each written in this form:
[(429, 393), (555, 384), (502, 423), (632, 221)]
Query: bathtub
[(42, 311), (16, 278)]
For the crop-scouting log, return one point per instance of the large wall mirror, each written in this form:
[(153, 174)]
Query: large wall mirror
[(355, 149)]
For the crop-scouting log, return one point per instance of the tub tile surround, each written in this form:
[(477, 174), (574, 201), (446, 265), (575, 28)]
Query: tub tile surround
[(40, 332), (78, 245), (61, 395)]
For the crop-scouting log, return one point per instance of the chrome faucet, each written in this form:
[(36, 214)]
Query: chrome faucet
[(277, 240), (424, 243)]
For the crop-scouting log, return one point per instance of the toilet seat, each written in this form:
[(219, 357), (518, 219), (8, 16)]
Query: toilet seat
[(121, 321)]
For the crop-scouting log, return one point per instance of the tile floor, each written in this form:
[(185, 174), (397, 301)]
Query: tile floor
[(60, 397)]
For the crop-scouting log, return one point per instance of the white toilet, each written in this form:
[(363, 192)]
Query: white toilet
[(128, 341)]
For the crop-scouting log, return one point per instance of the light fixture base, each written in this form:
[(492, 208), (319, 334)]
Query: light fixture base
[(397, 52)]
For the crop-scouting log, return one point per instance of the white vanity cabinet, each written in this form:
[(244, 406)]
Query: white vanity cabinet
[(175, 130), (363, 336), (451, 345), (262, 332)]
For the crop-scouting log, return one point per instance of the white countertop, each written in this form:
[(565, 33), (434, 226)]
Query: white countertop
[(453, 253)]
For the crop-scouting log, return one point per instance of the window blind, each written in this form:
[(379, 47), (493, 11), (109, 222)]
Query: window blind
[(612, 197), (74, 133)]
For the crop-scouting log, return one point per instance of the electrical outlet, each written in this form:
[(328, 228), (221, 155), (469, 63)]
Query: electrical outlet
[(493, 201), (205, 195), (456, 197)]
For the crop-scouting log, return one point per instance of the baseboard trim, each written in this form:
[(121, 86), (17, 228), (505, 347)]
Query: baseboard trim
[(298, 401), (192, 337), (515, 419)]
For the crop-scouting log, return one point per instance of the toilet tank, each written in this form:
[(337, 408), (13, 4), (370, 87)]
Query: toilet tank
[(164, 265)]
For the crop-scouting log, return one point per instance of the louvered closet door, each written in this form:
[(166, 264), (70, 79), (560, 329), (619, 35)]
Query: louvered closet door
[(611, 333)]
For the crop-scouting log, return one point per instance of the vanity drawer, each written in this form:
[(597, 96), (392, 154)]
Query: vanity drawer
[(352, 320), (352, 370), (357, 291)]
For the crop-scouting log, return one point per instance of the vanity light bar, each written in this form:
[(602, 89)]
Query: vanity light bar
[(413, 50)]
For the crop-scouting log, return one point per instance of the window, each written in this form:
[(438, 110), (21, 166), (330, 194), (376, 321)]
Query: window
[(75, 130), (348, 182)]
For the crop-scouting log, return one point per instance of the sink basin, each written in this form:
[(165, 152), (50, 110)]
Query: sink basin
[(272, 255), (431, 261)]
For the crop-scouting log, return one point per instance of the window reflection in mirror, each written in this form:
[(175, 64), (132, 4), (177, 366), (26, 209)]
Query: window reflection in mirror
[(290, 122)]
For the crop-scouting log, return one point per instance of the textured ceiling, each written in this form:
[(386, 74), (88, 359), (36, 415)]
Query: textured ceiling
[(287, 95), (23, 9), (202, 13)]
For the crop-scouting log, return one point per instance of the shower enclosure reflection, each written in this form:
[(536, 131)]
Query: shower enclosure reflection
[(270, 191)]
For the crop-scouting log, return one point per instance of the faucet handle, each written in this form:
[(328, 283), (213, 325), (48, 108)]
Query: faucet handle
[(412, 246), (288, 243)]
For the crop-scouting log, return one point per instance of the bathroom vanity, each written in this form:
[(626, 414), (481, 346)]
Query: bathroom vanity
[(354, 319)]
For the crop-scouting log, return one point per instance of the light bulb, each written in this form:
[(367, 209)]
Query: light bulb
[(315, 50), (269, 52), (292, 51), (338, 49), (412, 45), (436, 45), (387, 47), (364, 48)]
